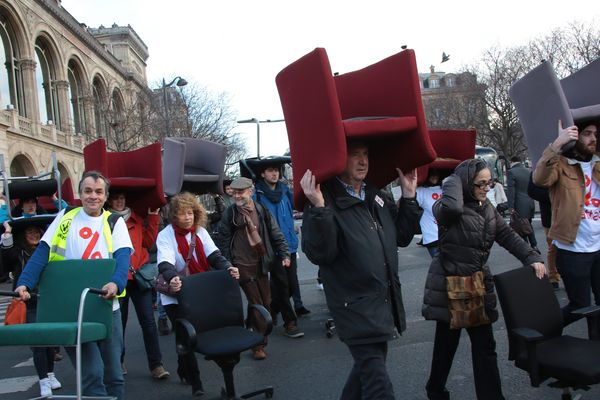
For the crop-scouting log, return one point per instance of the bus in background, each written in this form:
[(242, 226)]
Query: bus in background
[(495, 163)]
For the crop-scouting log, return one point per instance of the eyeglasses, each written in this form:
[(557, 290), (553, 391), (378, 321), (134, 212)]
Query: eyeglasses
[(483, 185)]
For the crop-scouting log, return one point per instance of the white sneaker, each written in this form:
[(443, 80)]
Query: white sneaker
[(54, 383), (320, 286), (45, 388)]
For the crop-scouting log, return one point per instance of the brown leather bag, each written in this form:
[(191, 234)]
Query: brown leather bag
[(466, 301), (521, 225)]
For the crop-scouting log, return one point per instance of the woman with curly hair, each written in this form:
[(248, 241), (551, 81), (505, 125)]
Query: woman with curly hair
[(187, 221)]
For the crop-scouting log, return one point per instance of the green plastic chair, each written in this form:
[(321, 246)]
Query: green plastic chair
[(66, 316)]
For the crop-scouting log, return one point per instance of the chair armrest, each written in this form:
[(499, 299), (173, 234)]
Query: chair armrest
[(266, 316), (528, 334), (185, 336), (591, 311), (8, 293), (592, 314), (531, 337)]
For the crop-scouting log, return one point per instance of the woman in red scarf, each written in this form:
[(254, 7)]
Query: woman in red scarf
[(187, 219)]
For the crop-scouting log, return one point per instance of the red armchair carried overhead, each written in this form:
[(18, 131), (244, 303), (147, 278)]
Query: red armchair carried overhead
[(137, 172), (452, 147), (380, 104)]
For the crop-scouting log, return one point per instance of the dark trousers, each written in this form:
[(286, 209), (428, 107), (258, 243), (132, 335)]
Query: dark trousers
[(187, 365), (368, 379), (142, 302), (43, 357), (483, 353), (255, 285), (292, 274), (580, 272), (281, 292), (531, 237)]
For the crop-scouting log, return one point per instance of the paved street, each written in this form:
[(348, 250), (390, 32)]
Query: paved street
[(313, 367)]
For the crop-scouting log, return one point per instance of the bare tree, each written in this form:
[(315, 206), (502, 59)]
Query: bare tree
[(568, 49)]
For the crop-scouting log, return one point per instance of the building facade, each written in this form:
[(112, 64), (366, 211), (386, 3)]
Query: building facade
[(452, 101), (63, 85)]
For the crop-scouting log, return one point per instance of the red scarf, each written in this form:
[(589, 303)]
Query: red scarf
[(195, 265)]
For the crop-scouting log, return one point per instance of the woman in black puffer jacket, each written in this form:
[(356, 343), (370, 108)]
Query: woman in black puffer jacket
[(469, 225)]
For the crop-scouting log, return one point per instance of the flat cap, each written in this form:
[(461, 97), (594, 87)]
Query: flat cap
[(241, 183)]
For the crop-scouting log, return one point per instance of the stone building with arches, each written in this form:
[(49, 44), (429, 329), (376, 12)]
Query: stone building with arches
[(63, 85)]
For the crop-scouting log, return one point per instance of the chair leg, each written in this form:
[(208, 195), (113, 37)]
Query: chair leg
[(568, 395), (268, 392)]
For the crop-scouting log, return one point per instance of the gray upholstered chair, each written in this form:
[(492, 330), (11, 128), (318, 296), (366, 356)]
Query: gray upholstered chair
[(194, 165), (541, 99)]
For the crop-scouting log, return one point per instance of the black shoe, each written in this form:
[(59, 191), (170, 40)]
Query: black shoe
[(197, 389), (302, 311), (163, 327)]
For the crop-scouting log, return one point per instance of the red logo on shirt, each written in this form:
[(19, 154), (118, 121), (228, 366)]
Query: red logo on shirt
[(86, 233), (435, 196)]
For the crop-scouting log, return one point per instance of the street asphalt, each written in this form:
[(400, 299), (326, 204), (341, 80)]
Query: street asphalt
[(315, 366)]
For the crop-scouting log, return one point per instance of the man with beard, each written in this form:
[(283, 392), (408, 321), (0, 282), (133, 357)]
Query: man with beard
[(573, 179), (250, 238)]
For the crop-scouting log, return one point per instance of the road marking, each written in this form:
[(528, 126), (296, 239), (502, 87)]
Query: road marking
[(27, 363), (18, 384)]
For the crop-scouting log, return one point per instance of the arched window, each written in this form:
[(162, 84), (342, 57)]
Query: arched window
[(21, 166), (100, 106), (76, 95), (118, 108), (45, 75), (11, 83)]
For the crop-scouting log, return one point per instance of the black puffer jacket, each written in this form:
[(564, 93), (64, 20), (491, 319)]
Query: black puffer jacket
[(467, 231), (355, 244)]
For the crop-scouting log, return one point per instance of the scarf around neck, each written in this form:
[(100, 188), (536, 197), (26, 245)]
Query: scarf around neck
[(195, 264), (274, 195), (247, 211), (126, 213)]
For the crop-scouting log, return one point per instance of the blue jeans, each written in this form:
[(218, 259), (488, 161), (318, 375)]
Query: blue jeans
[(101, 373), (142, 301), (580, 272)]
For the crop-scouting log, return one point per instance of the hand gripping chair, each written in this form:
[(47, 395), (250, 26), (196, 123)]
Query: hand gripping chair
[(195, 165), (380, 104), (214, 324), (137, 172), (452, 147), (536, 342), (66, 315), (541, 100)]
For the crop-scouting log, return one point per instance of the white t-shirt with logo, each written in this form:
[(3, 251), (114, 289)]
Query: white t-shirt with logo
[(426, 196), (168, 251), (85, 240), (588, 234)]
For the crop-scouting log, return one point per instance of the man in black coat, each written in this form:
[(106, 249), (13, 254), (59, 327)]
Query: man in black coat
[(352, 230), (518, 198)]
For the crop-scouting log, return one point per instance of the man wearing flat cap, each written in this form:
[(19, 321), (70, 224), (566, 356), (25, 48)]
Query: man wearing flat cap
[(250, 238)]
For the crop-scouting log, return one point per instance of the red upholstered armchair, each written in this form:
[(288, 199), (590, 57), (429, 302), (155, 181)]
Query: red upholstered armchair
[(380, 104), (452, 147), (137, 172)]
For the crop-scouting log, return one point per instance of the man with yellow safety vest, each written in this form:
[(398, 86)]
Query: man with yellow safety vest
[(89, 232)]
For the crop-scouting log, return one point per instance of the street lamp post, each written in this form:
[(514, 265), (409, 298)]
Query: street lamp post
[(257, 122), (179, 81)]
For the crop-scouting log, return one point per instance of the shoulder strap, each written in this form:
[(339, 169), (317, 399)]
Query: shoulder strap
[(69, 208), (112, 221)]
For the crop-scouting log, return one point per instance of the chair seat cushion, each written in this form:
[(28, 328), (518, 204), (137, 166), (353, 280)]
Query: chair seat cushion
[(369, 127), (50, 334), (228, 340), (570, 359), (126, 182)]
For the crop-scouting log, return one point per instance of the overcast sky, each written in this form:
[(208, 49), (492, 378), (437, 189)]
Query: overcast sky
[(238, 46)]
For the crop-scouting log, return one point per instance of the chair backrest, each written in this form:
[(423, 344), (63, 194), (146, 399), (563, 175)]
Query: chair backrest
[(528, 302), (211, 300), (61, 285), (540, 102)]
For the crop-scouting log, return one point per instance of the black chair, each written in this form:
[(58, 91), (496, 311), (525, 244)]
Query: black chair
[(214, 325), (536, 341)]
